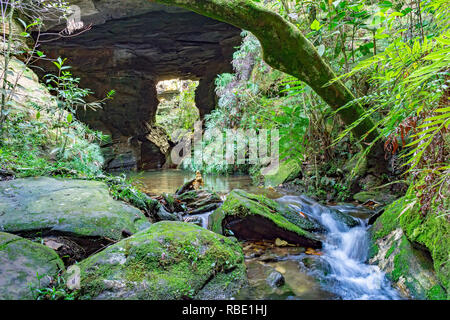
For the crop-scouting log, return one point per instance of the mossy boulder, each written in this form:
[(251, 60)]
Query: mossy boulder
[(413, 250), (378, 196), (255, 217), (431, 233), (170, 260), (20, 261), (285, 172), (75, 207)]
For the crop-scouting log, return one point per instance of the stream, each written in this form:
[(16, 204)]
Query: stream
[(345, 253), (339, 271)]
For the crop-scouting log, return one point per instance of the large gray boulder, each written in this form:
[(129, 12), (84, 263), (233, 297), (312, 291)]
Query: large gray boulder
[(20, 262), (77, 208)]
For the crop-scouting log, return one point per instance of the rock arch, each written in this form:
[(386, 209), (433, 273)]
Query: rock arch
[(131, 46)]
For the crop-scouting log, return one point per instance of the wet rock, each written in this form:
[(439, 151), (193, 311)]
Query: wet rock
[(170, 260), (198, 201), (20, 260), (163, 215), (275, 279), (343, 218), (121, 161), (255, 217), (412, 250), (298, 284), (6, 175), (377, 196), (357, 211), (185, 188), (77, 208), (370, 181), (286, 171)]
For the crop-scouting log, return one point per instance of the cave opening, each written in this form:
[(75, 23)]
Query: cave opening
[(177, 111), (132, 47)]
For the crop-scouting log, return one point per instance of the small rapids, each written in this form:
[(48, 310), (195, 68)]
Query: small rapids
[(345, 252), (204, 218), (341, 272)]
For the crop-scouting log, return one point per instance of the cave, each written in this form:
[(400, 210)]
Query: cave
[(131, 47), (177, 109)]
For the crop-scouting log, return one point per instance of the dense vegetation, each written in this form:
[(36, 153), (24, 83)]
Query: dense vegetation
[(177, 112), (393, 56), (358, 89), (39, 132)]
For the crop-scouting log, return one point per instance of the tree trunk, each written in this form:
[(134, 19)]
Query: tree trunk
[(284, 48)]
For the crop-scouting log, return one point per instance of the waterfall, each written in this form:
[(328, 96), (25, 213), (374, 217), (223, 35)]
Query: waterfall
[(345, 250)]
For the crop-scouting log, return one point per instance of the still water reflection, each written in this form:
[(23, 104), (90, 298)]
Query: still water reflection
[(168, 181)]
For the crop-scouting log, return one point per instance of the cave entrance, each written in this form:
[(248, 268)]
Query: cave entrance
[(177, 109)]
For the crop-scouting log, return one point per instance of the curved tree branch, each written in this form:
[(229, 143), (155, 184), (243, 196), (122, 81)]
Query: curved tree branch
[(284, 48)]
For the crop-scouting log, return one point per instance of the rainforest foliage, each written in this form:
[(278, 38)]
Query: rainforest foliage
[(385, 61), (39, 132), (394, 57), (358, 89)]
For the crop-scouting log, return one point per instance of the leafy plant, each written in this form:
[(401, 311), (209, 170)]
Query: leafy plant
[(57, 289), (411, 81), (70, 97), (18, 19), (128, 190)]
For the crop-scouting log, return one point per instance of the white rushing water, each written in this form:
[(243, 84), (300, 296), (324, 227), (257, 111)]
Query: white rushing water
[(345, 250), (204, 218)]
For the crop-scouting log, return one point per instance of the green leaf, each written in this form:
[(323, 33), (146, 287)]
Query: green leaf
[(442, 116), (441, 110), (315, 25), (420, 139)]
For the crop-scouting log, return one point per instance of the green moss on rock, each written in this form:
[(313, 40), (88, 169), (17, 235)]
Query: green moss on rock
[(77, 207), (407, 257), (286, 171), (20, 261), (378, 196), (240, 204), (170, 260)]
